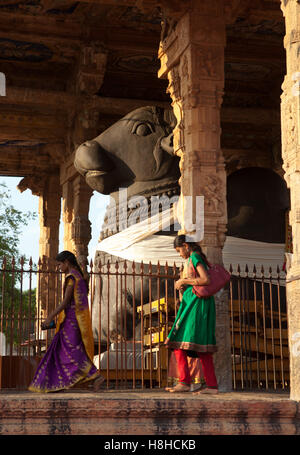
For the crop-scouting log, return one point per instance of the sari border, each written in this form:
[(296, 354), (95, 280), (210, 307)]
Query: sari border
[(80, 377), (187, 346)]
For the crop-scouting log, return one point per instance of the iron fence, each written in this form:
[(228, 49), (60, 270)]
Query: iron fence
[(259, 329), (133, 307)]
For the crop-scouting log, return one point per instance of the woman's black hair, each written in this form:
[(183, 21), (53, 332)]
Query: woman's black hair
[(67, 255), (181, 239)]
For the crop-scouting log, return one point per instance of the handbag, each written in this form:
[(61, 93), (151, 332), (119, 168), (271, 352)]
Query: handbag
[(219, 277)]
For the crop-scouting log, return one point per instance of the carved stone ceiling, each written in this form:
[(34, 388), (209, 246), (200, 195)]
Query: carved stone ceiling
[(40, 45)]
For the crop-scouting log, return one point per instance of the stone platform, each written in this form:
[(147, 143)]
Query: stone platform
[(148, 412)]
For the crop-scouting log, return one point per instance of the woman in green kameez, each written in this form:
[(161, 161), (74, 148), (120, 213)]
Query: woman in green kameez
[(194, 326)]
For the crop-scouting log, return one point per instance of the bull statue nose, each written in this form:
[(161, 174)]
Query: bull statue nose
[(90, 156), (167, 144)]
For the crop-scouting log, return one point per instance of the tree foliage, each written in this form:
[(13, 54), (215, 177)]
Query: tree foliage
[(11, 223), (15, 305)]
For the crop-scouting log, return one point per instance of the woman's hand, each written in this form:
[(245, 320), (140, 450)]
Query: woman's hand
[(45, 324), (180, 284)]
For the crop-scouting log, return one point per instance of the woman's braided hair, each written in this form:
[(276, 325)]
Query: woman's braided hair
[(67, 255)]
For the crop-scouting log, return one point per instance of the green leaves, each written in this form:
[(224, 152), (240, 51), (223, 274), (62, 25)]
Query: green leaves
[(17, 306), (12, 222)]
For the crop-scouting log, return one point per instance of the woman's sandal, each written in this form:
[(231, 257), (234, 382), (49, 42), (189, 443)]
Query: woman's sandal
[(97, 383), (207, 391), (179, 388)]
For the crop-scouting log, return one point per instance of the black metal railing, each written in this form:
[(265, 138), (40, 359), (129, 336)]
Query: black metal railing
[(133, 307)]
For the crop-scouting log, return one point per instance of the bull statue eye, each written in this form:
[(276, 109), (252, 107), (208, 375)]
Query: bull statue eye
[(142, 129)]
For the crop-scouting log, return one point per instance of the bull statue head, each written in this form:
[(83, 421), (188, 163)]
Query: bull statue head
[(136, 152)]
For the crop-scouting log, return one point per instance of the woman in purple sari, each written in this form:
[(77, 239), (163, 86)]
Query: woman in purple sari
[(69, 358)]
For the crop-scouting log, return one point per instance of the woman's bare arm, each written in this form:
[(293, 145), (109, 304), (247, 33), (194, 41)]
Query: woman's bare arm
[(202, 280)]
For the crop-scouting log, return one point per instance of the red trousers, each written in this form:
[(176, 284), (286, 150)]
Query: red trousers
[(206, 360)]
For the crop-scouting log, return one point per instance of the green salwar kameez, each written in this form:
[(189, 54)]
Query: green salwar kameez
[(195, 323)]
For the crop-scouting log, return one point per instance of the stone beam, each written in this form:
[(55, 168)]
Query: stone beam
[(27, 160), (28, 96), (63, 101), (111, 2), (121, 106), (23, 126), (48, 30)]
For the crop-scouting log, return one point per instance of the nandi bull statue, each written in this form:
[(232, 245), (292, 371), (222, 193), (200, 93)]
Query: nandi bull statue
[(134, 156)]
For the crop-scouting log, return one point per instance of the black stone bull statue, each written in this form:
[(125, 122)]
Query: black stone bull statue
[(134, 153)]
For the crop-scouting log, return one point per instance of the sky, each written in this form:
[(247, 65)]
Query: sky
[(29, 239)]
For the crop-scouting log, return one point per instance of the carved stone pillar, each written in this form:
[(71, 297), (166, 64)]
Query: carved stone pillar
[(290, 121), (81, 225), (49, 217), (67, 213), (192, 58), (76, 202), (49, 191)]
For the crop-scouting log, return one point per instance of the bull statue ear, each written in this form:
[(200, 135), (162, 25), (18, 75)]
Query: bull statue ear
[(170, 118), (167, 144)]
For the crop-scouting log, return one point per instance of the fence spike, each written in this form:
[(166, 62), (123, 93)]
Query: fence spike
[(166, 268)]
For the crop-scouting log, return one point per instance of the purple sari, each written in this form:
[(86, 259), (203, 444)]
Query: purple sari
[(69, 358)]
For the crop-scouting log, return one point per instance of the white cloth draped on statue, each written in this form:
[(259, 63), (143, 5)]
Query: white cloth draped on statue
[(139, 243)]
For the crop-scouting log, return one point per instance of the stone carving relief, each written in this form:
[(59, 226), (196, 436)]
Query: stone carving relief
[(212, 191), (91, 70)]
